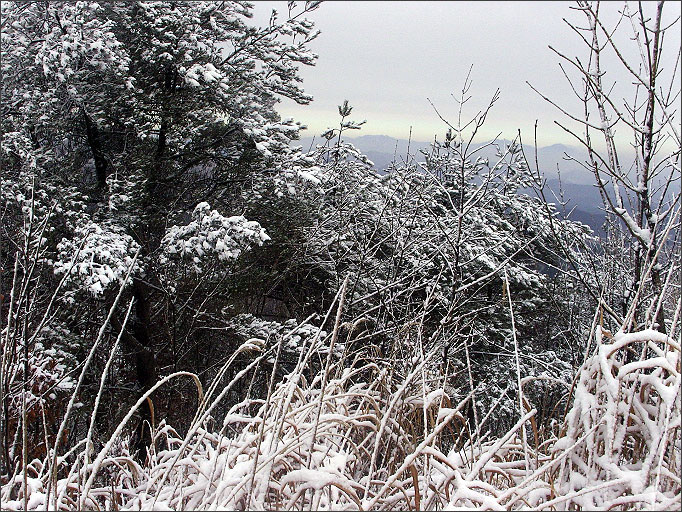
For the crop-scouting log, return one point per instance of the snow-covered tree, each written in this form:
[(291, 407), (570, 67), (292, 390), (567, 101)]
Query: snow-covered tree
[(426, 244), (138, 114), (640, 189)]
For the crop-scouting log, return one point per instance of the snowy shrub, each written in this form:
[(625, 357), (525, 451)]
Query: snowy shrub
[(98, 259), (48, 385), (122, 202), (293, 335), (211, 235), (625, 421), (80, 37), (44, 206)]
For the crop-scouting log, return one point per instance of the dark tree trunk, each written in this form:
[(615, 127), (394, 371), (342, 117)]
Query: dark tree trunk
[(95, 143), (139, 344), (145, 364)]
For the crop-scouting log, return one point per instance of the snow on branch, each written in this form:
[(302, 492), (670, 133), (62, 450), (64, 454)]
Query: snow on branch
[(103, 260), (211, 234)]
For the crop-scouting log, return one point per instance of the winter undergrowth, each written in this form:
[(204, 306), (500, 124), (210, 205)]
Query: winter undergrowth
[(358, 436)]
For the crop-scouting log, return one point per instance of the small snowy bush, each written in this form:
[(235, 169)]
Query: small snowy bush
[(102, 262), (211, 235)]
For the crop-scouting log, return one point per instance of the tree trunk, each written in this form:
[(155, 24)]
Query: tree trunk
[(95, 144), (145, 364)]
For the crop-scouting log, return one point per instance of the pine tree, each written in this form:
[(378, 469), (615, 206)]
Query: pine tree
[(131, 116)]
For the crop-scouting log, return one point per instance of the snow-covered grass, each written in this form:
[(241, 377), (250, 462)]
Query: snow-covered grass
[(357, 437)]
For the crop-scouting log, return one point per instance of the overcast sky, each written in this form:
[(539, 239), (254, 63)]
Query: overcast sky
[(387, 58)]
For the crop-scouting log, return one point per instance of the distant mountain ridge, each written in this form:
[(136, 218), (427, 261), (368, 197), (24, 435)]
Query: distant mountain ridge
[(583, 199), (555, 161), (383, 150)]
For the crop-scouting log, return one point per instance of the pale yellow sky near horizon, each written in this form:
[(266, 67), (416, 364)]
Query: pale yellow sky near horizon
[(387, 58)]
